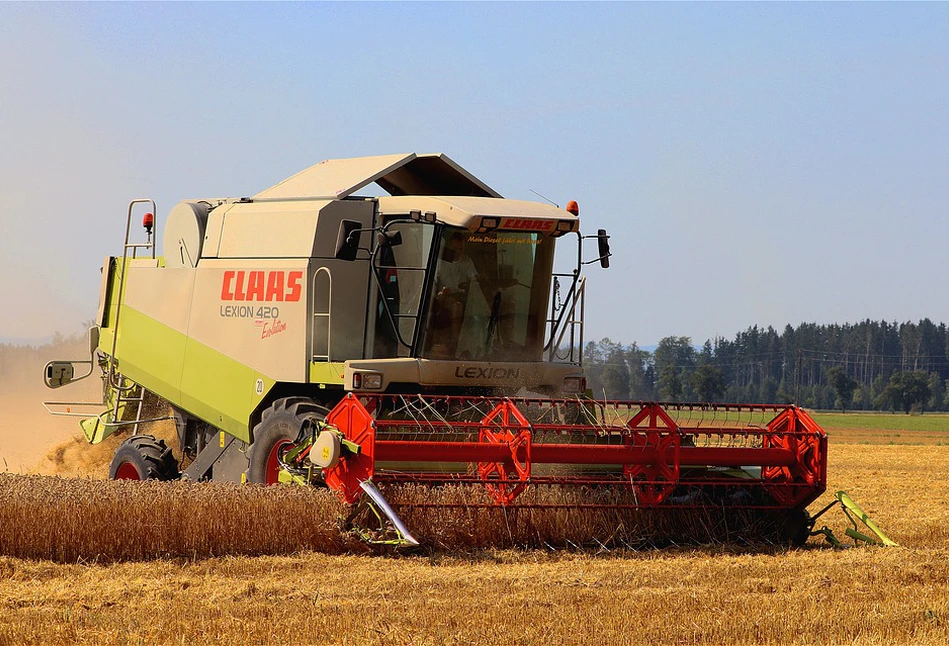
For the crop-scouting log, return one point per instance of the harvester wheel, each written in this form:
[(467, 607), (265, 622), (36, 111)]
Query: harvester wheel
[(143, 457), (279, 426), (797, 526)]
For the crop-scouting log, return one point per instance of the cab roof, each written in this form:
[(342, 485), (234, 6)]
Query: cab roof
[(467, 212), (403, 174)]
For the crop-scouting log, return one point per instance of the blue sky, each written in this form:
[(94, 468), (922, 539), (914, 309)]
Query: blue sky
[(754, 163)]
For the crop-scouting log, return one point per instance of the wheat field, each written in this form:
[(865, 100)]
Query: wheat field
[(337, 592), (208, 565)]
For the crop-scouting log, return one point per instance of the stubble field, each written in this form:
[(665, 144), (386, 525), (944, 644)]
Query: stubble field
[(719, 594)]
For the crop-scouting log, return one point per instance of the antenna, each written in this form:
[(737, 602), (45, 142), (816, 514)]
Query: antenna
[(543, 197)]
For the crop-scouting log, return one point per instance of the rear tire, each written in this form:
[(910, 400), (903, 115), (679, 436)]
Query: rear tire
[(143, 457), (280, 426)]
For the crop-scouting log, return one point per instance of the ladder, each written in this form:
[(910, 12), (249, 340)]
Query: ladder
[(127, 392)]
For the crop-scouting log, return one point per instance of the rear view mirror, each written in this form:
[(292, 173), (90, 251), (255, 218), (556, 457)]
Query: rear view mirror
[(347, 240), (603, 246), (93, 339), (58, 373)]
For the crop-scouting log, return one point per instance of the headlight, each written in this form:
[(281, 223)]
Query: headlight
[(574, 384), (367, 381), (372, 381)]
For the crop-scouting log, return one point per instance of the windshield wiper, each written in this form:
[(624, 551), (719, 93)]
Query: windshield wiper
[(493, 321)]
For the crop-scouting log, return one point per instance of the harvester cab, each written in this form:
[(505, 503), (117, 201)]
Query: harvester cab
[(307, 334)]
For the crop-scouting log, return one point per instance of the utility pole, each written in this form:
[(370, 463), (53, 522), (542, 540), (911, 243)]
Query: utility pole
[(797, 379)]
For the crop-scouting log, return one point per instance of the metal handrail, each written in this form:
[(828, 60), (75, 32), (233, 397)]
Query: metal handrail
[(125, 252), (327, 315), (568, 320)]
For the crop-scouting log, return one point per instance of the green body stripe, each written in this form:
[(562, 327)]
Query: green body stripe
[(326, 374), (210, 385), (188, 374), (150, 353)]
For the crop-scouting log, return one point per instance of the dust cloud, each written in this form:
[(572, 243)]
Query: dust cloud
[(32, 440)]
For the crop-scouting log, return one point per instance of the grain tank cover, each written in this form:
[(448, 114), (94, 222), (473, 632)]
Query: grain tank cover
[(184, 234), (408, 174)]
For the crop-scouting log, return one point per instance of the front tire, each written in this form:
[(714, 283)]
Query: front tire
[(143, 457), (279, 427), (797, 527)]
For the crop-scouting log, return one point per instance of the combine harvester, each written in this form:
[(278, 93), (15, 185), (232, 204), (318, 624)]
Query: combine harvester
[(309, 335)]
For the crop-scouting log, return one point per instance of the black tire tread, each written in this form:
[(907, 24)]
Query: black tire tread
[(155, 455), (292, 411)]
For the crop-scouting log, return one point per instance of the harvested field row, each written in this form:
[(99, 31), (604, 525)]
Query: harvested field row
[(711, 596)]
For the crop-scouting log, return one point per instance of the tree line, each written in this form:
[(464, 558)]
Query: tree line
[(864, 366), (22, 364), (872, 365)]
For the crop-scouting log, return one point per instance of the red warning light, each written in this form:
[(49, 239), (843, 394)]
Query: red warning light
[(148, 221), (573, 207)]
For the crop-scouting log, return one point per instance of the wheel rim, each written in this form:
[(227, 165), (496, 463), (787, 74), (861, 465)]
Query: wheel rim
[(127, 471), (272, 474)]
